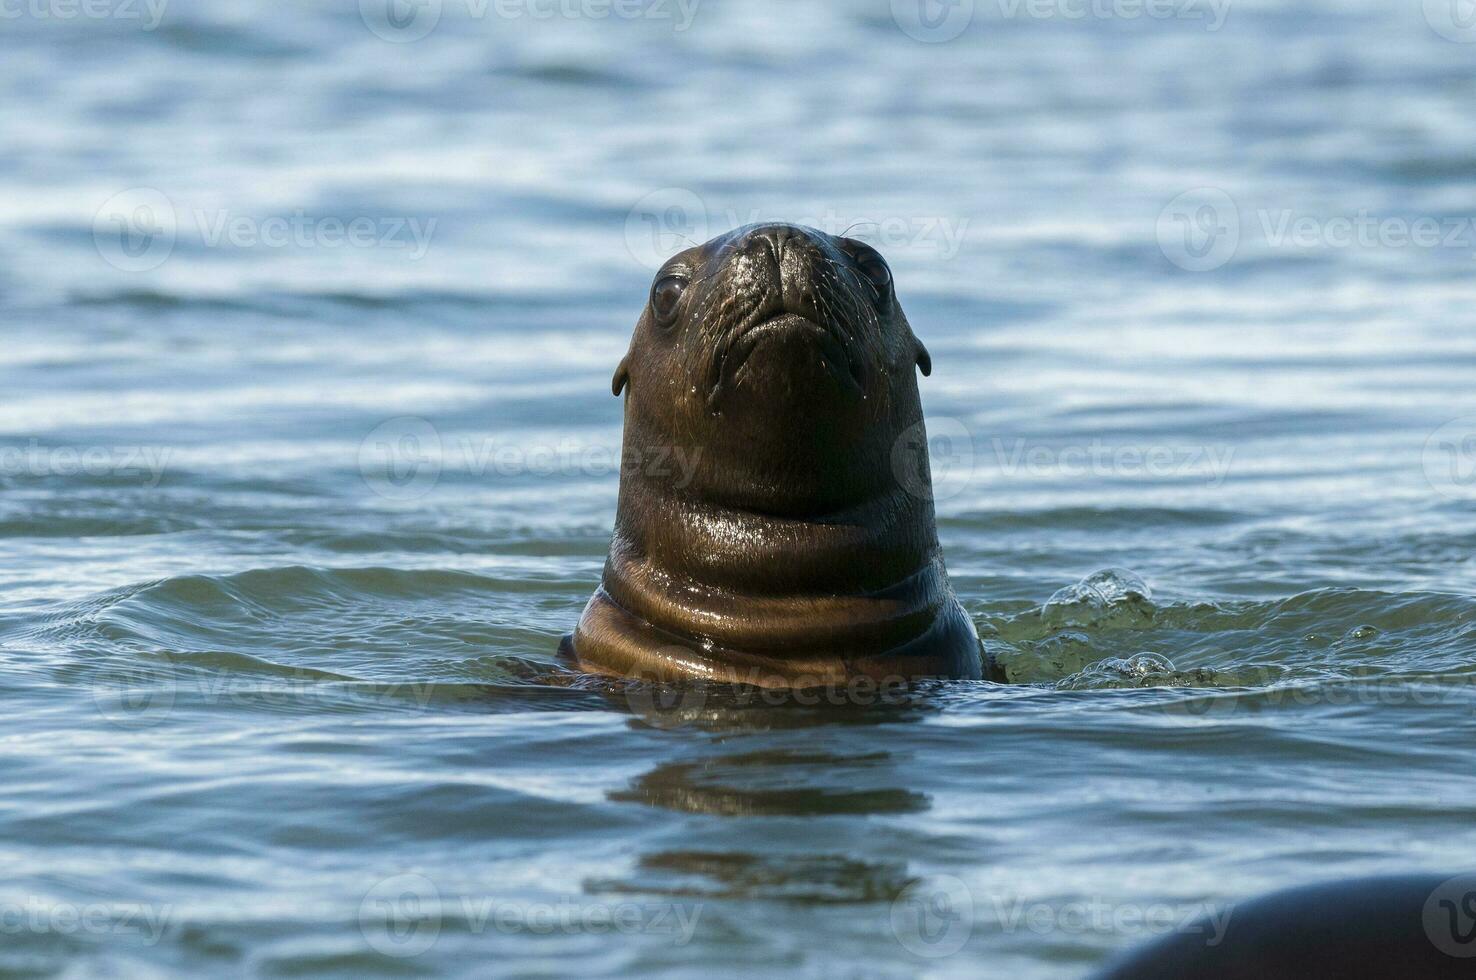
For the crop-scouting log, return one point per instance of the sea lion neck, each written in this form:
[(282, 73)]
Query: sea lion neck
[(867, 544)]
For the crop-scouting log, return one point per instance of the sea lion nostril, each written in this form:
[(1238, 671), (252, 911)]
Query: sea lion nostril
[(776, 239), (765, 242)]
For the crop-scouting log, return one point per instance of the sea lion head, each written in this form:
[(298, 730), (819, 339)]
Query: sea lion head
[(775, 360), (774, 526)]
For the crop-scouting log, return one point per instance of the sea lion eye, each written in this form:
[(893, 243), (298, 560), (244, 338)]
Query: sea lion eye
[(871, 265), (875, 270), (666, 295)]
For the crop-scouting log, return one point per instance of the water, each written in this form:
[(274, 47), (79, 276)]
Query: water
[(273, 708)]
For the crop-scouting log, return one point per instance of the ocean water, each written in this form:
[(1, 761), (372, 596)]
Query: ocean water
[(308, 314)]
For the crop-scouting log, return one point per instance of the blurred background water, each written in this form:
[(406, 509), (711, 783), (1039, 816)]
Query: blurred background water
[(308, 458)]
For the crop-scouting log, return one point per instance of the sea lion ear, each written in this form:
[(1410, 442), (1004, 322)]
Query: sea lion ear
[(924, 360), (622, 376)]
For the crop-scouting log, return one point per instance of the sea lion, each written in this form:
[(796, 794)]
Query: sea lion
[(795, 544), (1413, 928)]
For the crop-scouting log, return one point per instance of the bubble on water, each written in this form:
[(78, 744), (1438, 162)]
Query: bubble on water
[(1139, 670), (1143, 666), (1112, 596)]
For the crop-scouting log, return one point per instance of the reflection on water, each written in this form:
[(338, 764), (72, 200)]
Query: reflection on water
[(810, 878), (723, 708), (308, 459), (777, 783)]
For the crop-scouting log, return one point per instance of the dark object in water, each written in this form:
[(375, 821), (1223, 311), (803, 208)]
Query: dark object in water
[(1405, 928)]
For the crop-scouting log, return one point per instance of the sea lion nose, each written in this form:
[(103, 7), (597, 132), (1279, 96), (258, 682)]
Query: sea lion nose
[(771, 238), (790, 253)]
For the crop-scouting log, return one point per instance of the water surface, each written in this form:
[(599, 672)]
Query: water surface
[(273, 708)]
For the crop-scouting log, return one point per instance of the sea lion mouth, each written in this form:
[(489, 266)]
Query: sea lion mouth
[(834, 347)]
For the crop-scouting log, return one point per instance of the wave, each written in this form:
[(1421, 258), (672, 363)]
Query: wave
[(1090, 637)]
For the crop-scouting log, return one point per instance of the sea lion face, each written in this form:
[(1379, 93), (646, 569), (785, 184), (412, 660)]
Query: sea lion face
[(779, 359)]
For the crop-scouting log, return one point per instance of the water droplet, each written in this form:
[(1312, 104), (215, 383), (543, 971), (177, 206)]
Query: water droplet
[(1101, 596)]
